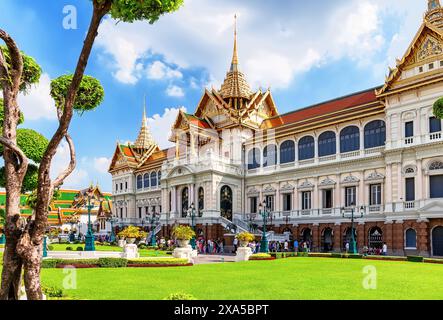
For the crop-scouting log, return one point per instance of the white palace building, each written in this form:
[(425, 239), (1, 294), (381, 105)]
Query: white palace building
[(378, 152)]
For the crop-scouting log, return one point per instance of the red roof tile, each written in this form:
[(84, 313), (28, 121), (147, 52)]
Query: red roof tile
[(322, 109)]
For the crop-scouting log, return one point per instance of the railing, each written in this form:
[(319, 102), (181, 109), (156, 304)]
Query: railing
[(351, 154), (409, 205), (435, 136), (375, 208), (409, 140), (328, 158)]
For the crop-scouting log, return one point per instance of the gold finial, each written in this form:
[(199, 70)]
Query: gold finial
[(433, 4), (234, 64)]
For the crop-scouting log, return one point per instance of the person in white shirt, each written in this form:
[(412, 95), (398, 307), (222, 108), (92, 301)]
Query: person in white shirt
[(385, 249), (235, 244)]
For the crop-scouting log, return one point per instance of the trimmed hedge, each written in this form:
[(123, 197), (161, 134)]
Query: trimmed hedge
[(155, 261), (415, 258), (50, 263), (432, 260), (387, 258), (112, 262), (261, 256)]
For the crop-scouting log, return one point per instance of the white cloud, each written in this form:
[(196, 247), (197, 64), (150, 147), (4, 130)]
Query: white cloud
[(159, 71), (294, 38), (160, 123), (175, 91), (102, 164), (37, 103)]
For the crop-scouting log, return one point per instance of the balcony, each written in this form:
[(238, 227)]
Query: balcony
[(409, 205)]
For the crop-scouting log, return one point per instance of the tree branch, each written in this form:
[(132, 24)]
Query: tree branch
[(16, 61), (23, 165), (62, 176)]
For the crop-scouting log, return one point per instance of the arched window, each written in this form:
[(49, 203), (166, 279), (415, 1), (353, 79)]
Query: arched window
[(226, 202), (436, 180), (287, 152), (139, 182), (154, 179), (146, 180), (159, 177), (375, 134), (411, 238), (349, 139), (327, 144), (254, 159), (185, 202), (201, 201), (270, 155), (437, 165), (306, 148)]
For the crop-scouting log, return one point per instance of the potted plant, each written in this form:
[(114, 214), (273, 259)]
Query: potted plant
[(131, 233), (183, 234), (244, 238)]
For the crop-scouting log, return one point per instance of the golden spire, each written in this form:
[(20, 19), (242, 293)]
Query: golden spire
[(434, 14), (433, 4), (234, 64), (144, 139), (235, 84)]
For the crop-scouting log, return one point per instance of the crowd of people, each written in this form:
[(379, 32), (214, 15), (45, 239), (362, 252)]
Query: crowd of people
[(210, 246)]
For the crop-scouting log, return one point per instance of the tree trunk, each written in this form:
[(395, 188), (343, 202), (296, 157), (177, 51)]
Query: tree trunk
[(30, 249)]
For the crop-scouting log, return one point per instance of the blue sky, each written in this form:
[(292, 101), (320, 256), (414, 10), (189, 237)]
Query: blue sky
[(307, 52)]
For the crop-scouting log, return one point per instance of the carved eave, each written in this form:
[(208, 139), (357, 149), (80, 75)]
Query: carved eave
[(257, 100), (116, 163), (394, 74)]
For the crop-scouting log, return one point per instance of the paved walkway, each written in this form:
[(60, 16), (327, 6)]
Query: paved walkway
[(212, 258)]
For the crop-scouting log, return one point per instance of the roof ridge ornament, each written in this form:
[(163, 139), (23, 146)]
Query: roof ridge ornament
[(144, 138)]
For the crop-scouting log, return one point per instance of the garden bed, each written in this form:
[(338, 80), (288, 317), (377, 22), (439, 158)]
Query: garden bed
[(115, 263)]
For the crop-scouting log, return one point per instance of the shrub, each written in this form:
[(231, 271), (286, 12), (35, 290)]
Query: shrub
[(69, 248), (183, 233), (52, 292), (79, 249), (49, 263), (320, 254), (132, 232), (391, 258), (260, 256), (415, 258), (180, 296), (50, 248), (246, 236), (112, 262), (142, 246), (352, 256), (78, 262), (438, 108), (302, 254)]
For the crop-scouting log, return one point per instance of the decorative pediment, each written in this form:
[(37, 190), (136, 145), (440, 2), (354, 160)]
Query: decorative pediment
[(306, 185), (269, 189), (375, 176), (350, 179), (327, 182), (430, 47), (253, 191), (287, 187)]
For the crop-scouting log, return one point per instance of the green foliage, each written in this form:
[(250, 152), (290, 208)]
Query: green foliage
[(151, 10), (415, 258), (50, 248), (29, 183), (2, 114), (245, 236), (180, 296), (49, 263), (183, 233), (85, 262), (112, 262), (31, 70), (2, 217), (32, 143), (79, 249), (89, 95), (156, 261), (438, 108), (68, 248), (52, 292)]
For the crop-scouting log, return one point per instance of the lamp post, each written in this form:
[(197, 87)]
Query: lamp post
[(112, 220), (45, 251), (89, 238), (266, 214), (353, 246), (192, 212)]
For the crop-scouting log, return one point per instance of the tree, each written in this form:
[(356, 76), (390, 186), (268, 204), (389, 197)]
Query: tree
[(438, 108), (28, 244)]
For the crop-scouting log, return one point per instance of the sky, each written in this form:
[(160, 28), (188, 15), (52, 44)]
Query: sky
[(305, 51)]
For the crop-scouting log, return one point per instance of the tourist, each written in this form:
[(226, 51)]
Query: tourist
[(221, 247), (385, 249), (347, 247), (235, 244), (257, 247), (286, 246), (295, 245), (305, 246)]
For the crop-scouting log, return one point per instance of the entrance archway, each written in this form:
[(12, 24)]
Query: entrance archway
[(327, 240), (437, 241), (375, 238), (226, 202)]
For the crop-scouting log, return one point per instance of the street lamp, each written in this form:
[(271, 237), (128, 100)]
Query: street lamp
[(112, 220), (266, 214), (353, 246), (192, 212), (89, 239)]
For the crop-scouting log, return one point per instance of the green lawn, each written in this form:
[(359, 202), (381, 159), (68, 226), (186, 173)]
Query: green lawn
[(143, 252), (293, 278)]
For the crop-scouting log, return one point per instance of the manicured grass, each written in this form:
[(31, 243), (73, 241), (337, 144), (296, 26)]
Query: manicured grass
[(287, 279), (143, 252)]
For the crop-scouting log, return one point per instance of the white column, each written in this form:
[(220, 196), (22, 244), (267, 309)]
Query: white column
[(278, 208), (362, 137), (388, 189), (400, 183), (361, 189), (174, 200), (419, 190), (337, 193)]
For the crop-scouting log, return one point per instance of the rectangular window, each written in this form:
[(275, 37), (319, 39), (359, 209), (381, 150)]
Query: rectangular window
[(436, 184), (126, 185), (350, 196), (139, 212), (375, 194), (410, 189), (253, 205), (153, 209), (306, 200), (409, 129), (287, 202), (431, 66), (121, 186), (270, 203), (327, 199), (116, 187), (121, 212), (434, 125), (146, 210), (420, 69)]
